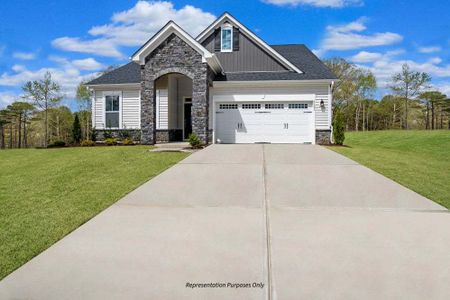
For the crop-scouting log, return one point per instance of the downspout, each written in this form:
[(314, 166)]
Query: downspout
[(330, 110)]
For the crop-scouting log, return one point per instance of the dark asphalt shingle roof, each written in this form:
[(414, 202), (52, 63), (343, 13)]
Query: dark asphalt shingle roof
[(299, 55), (129, 73), (305, 60)]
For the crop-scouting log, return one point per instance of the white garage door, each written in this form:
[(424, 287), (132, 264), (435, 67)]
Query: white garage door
[(283, 122)]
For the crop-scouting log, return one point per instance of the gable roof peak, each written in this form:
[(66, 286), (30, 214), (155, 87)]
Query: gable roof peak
[(173, 28), (227, 16)]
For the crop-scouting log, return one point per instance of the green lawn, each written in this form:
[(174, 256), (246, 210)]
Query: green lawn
[(45, 194), (419, 160)]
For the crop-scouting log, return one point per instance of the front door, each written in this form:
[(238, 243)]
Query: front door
[(187, 118)]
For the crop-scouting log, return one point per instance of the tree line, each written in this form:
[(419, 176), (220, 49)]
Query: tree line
[(38, 118), (410, 104)]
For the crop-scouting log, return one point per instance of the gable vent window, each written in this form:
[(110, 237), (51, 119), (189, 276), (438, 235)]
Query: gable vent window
[(251, 106), (274, 106), (298, 106), (226, 38)]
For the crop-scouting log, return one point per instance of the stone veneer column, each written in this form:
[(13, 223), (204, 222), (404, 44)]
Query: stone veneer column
[(200, 105), (148, 111)]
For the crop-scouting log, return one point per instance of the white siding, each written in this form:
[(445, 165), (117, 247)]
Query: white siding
[(322, 120), (131, 103), (99, 112), (162, 109), (130, 110)]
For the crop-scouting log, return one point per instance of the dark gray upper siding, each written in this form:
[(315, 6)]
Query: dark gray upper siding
[(249, 58), (299, 55), (129, 73)]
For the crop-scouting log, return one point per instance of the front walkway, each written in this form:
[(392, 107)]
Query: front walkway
[(304, 221)]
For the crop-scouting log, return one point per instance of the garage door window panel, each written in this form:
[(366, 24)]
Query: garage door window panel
[(274, 106), (251, 106), (298, 105)]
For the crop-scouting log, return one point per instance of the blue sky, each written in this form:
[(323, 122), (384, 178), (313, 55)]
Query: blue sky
[(76, 39)]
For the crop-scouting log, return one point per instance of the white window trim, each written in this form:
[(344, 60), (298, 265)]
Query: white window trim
[(113, 93), (226, 27)]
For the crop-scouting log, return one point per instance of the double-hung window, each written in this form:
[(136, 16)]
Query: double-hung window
[(226, 38), (112, 111)]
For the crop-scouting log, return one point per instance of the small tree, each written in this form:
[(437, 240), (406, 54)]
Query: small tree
[(46, 94), (338, 128), (76, 129), (83, 97), (21, 110), (408, 84)]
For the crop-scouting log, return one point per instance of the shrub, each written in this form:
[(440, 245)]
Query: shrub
[(128, 142), (108, 134), (125, 134), (111, 141), (57, 144), (194, 141), (338, 128), (87, 143), (94, 135)]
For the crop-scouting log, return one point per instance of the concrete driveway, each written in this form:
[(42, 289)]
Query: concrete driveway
[(291, 221)]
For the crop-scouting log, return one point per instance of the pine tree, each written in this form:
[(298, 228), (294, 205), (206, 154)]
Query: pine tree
[(338, 128), (76, 130)]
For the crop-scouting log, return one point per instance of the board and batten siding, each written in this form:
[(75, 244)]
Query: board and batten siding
[(130, 108), (249, 57)]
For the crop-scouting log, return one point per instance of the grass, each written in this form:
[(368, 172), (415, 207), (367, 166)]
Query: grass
[(419, 160), (45, 194)]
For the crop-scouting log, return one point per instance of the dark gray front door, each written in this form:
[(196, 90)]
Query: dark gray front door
[(187, 119)]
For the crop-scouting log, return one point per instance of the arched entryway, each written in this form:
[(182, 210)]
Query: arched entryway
[(173, 107)]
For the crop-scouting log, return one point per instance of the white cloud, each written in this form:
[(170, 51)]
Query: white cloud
[(102, 47), (316, 3), (24, 55), (87, 64), (386, 66), (67, 75), (7, 98), (364, 56), (430, 49), (349, 36), (135, 26), (367, 57), (443, 87)]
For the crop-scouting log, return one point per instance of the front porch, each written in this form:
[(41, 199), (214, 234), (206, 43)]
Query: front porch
[(173, 101), (174, 91)]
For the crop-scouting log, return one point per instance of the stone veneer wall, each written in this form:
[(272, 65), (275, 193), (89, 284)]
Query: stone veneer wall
[(169, 135), (115, 133), (175, 56), (323, 137)]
